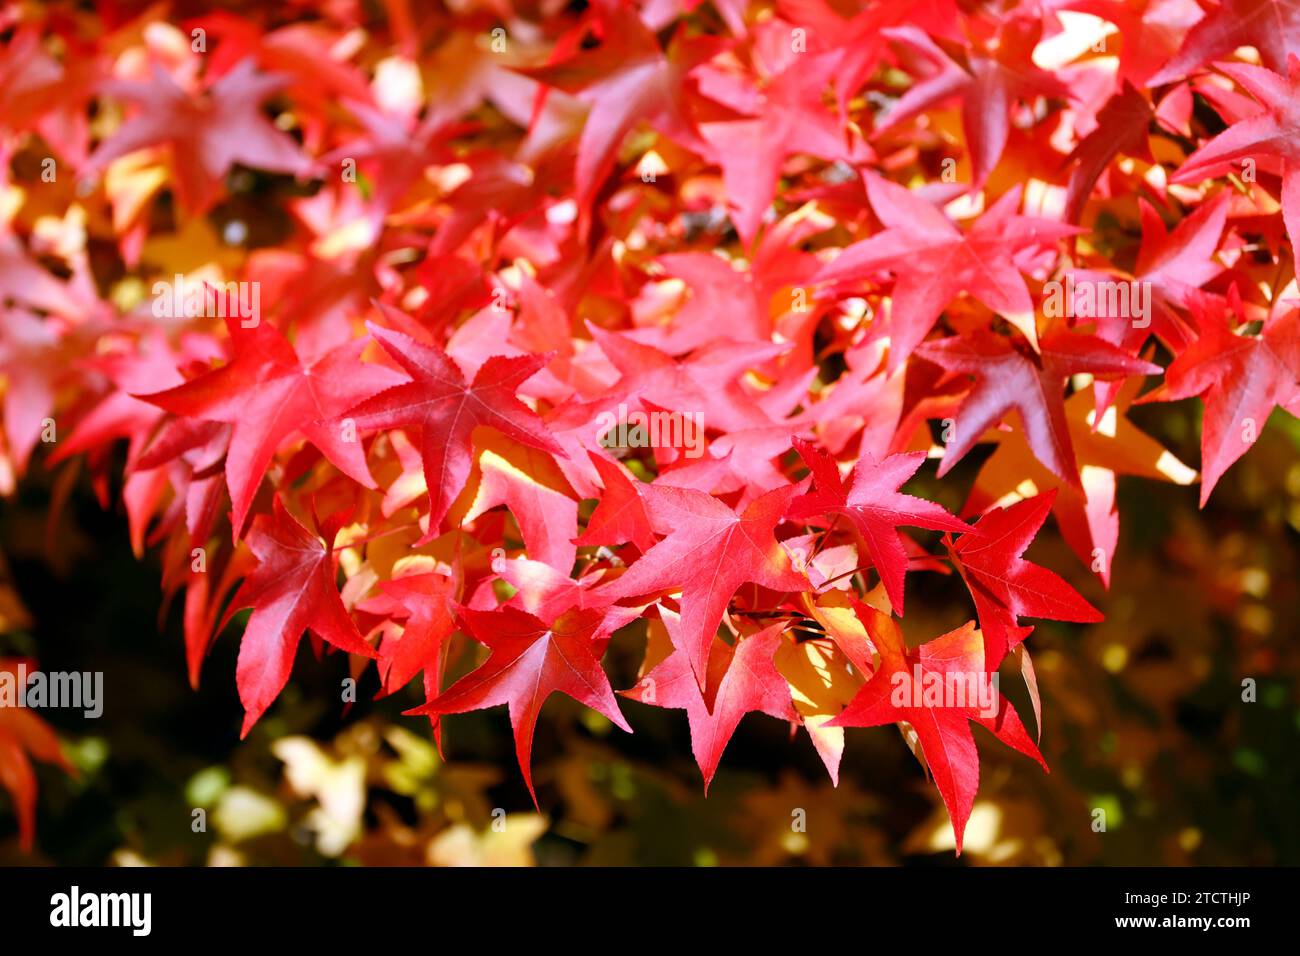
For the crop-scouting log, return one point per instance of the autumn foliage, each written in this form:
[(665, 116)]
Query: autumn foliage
[(668, 324)]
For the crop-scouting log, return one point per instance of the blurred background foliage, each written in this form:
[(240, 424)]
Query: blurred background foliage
[(1144, 720)]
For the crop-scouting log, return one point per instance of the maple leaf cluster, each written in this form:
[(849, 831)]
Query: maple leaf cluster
[(545, 328)]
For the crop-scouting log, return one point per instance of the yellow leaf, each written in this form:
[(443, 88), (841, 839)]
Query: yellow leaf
[(821, 682)]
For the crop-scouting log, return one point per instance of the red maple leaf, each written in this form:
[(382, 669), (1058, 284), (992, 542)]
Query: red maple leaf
[(932, 689), (859, 42), (35, 358), (1123, 126), (208, 133), (268, 393), (620, 514), (783, 115), (23, 736), (1004, 586), (996, 73), (1242, 378), (1008, 377), (727, 302), (1270, 26), (625, 80), (530, 660), (742, 679), (447, 409), (870, 499), (703, 382), (710, 551), (428, 603), (1272, 134), (933, 261), (292, 590)]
